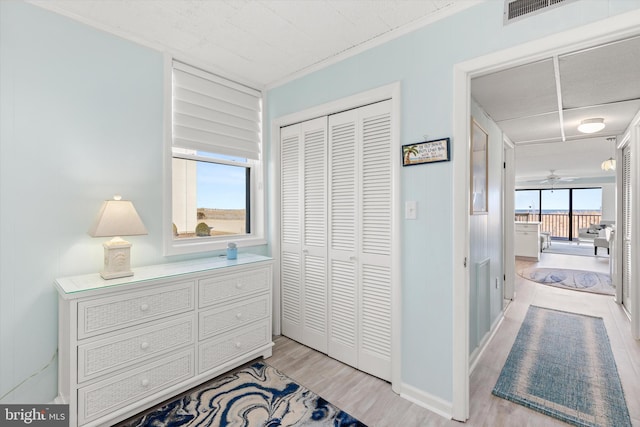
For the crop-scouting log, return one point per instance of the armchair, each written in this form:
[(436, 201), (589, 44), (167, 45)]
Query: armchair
[(588, 234), (602, 241)]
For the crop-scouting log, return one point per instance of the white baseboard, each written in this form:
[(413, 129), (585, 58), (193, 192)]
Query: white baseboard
[(475, 356), (428, 401)]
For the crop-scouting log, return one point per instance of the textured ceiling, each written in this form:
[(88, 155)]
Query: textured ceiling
[(540, 105), (265, 42), (258, 42), (526, 101)]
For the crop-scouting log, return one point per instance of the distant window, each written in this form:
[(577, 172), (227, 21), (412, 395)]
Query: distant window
[(216, 170), (561, 211)]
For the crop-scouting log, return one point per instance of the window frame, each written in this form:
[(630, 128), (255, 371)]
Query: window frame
[(257, 202)]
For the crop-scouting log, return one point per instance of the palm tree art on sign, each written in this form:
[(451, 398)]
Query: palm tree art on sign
[(409, 150)]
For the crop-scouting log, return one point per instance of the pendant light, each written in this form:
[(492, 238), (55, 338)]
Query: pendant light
[(610, 163)]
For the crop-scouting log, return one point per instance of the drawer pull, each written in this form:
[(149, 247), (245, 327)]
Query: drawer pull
[(239, 316), (144, 307), (238, 344), (144, 383), (239, 285), (144, 345)]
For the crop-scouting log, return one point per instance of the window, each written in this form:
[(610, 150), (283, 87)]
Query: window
[(561, 211), (215, 192)]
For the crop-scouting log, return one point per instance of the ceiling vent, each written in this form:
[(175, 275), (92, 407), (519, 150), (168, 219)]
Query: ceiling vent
[(518, 9)]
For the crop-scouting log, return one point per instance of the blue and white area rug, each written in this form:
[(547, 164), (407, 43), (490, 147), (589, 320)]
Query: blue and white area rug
[(257, 395), (577, 280), (561, 364)]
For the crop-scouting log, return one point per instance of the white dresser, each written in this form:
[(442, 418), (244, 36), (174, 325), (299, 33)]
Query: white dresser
[(527, 240), (127, 344)]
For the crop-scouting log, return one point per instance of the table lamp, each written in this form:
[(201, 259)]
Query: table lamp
[(117, 218)]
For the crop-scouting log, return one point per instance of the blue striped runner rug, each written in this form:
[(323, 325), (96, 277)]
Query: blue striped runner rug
[(561, 364)]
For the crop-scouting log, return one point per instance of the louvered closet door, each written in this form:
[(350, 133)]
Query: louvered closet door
[(360, 218), (375, 234), (626, 228), (304, 278), (343, 248)]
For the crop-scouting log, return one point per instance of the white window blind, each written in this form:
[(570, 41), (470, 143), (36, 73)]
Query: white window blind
[(214, 114)]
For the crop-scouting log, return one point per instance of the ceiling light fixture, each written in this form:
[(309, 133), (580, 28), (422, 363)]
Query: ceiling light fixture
[(591, 125)]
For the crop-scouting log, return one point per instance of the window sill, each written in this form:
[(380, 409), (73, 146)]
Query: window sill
[(201, 245)]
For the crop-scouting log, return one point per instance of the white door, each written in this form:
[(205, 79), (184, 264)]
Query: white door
[(303, 225), (360, 238)]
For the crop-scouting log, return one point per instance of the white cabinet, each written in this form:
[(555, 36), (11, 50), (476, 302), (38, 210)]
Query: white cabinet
[(128, 344), (527, 240)]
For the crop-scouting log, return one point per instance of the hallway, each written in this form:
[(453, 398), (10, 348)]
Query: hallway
[(372, 401)]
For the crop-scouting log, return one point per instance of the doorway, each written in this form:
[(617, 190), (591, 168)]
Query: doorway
[(586, 36)]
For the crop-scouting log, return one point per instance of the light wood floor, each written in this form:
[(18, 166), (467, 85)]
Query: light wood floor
[(372, 401)]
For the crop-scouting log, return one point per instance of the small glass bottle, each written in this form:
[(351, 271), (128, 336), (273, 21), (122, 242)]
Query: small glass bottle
[(232, 251)]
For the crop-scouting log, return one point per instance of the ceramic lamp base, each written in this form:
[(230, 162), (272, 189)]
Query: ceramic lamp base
[(116, 259)]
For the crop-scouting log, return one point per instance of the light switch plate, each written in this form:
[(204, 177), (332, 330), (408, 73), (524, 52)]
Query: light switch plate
[(410, 209)]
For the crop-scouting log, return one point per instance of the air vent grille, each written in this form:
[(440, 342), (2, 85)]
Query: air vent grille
[(517, 9)]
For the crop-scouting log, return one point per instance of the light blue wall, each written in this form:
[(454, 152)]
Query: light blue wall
[(423, 62), (81, 121)]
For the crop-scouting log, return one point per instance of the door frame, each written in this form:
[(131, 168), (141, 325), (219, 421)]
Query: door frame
[(631, 139), (508, 220), (602, 31), (388, 92)]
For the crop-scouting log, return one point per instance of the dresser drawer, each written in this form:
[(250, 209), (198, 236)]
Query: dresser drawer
[(533, 228), (233, 344), (107, 355), (223, 287), (104, 397), (229, 316), (110, 313)]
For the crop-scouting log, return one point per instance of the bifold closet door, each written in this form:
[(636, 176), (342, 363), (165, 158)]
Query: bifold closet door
[(303, 225), (360, 225)]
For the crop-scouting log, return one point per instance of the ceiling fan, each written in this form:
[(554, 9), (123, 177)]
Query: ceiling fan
[(552, 178)]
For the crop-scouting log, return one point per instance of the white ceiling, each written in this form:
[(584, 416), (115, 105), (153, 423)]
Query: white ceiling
[(257, 42), (540, 105)]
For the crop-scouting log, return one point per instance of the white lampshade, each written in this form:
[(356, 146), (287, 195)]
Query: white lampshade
[(117, 218), (591, 125), (609, 164)]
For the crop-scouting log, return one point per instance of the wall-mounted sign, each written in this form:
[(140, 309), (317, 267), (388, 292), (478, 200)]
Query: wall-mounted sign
[(426, 152)]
